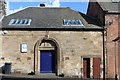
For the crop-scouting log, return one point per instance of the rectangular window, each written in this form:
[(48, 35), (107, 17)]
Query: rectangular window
[(72, 22), (115, 0), (20, 22)]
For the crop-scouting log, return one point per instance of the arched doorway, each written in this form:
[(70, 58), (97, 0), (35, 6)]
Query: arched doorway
[(47, 56)]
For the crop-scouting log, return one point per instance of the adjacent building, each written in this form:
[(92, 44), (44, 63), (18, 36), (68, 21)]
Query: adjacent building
[(53, 40), (109, 14), (2, 8)]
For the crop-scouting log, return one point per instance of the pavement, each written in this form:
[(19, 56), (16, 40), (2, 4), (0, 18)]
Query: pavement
[(47, 76), (35, 77)]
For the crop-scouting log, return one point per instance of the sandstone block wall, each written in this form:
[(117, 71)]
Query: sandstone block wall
[(74, 45)]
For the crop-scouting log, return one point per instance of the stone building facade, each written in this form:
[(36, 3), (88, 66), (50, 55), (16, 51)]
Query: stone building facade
[(110, 17), (53, 40), (72, 48)]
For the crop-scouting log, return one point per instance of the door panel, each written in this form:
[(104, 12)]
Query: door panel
[(84, 68), (47, 61), (96, 67)]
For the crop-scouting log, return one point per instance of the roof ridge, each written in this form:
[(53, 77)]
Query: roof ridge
[(47, 7)]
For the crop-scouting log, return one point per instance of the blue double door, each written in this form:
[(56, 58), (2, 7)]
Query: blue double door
[(47, 61)]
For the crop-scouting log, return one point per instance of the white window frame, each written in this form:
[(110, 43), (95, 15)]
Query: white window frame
[(70, 20), (11, 23)]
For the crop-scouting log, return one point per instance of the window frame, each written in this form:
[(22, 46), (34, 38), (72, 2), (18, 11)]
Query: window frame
[(19, 22), (72, 22)]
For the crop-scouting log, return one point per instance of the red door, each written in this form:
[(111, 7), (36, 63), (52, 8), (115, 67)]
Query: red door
[(86, 68), (96, 68)]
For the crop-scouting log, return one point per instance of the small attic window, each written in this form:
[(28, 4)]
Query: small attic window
[(72, 22), (115, 1), (20, 22)]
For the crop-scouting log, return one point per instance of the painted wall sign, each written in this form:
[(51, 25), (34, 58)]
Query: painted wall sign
[(24, 48)]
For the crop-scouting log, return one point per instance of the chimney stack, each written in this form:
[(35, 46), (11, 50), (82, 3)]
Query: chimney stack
[(42, 5)]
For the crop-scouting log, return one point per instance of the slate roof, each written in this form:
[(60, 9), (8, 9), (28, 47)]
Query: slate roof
[(109, 5), (50, 18)]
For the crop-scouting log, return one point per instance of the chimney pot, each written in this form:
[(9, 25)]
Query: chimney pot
[(42, 5)]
